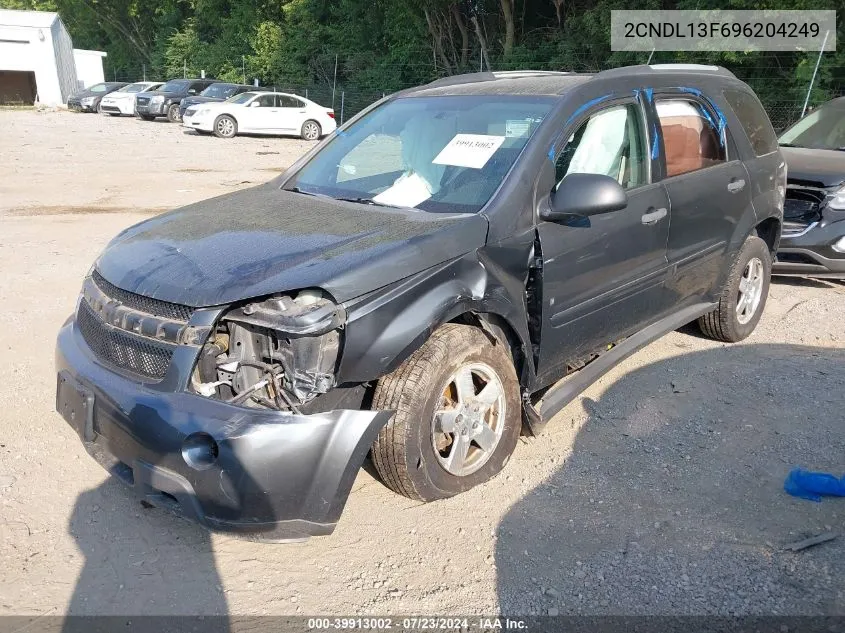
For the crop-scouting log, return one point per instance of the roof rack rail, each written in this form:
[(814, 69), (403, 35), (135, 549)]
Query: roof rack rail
[(689, 68), (470, 78)]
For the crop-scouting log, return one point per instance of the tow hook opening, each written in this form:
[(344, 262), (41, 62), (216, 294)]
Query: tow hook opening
[(200, 451)]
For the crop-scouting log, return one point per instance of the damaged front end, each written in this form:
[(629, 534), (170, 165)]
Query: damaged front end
[(278, 353)]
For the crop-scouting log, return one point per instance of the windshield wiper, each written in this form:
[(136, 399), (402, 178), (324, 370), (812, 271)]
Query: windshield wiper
[(364, 201)]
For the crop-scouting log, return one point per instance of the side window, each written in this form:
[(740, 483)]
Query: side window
[(198, 86), (691, 140), (754, 121), (266, 101), (290, 102), (611, 142)]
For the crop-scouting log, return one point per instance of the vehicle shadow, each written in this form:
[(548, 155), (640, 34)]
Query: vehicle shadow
[(671, 501), (141, 559)]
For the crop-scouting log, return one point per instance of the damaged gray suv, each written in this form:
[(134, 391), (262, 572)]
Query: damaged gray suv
[(445, 272)]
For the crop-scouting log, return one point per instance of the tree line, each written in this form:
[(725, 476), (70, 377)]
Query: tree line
[(384, 45)]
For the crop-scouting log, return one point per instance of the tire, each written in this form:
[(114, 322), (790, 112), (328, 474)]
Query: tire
[(311, 131), (404, 452), (173, 113), (744, 295), (146, 117), (225, 126)]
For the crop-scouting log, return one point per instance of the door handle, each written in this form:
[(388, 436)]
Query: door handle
[(653, 216), (736, 185)]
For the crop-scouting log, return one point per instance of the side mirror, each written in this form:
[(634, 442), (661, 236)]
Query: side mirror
[(254, 104), (192, 91), (584, 195)]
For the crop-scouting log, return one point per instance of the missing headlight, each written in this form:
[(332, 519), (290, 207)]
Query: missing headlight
[(278, 353)]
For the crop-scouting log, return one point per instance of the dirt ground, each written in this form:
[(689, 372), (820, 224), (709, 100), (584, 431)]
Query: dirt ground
[(659, 491)]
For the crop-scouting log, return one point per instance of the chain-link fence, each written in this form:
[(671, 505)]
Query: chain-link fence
[(775, 84)]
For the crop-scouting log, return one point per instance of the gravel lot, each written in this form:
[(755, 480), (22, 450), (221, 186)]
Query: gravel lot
[(659, 491)]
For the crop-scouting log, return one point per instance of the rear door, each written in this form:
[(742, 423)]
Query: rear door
[(708, 191), (603, 275), (293, 113)]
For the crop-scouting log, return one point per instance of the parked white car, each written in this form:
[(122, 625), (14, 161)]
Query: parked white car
[(123, 101), (261, 113)]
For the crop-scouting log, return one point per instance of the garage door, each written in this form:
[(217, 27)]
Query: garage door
[(17, 87)]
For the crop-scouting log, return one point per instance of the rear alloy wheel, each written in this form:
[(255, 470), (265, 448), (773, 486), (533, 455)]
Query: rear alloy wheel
[(311, 130), (173, 113), (458, 415), (743, 297), (225, 126)]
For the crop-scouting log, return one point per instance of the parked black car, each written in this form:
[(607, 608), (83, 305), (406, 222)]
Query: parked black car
[(88, 100), (215, 92), (416, 287), (813, 241), (165, 101)]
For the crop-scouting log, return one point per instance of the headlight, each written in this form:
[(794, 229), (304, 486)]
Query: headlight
[(87, 101), (202, 112), (837, 202), (157, 100), (280, 353)]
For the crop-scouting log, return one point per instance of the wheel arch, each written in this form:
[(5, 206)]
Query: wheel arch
[(769, 230), (384, 330)]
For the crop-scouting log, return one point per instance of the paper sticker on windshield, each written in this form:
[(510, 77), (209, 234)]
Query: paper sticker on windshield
[(469, 150), (517, 127)]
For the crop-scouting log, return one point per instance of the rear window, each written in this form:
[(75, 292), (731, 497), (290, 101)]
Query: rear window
[(754, 121), (691, 141)]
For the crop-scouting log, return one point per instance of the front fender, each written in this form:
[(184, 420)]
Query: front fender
[(387, 326)]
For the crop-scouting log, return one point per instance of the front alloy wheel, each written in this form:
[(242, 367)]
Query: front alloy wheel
[(457, 414), (225, 127), (468, 424)]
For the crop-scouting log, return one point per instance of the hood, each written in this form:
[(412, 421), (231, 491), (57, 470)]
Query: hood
[(167, 95), (814, 167), (195, 100), (264, 240)]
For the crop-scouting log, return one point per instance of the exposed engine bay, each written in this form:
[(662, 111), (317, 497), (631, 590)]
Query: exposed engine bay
[(279, 353)]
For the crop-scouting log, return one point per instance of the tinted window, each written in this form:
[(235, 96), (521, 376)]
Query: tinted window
[(610, 142), (691, 140), (174, 85), (220, 91), (440, 154), (290, 102), (754, 121), (198, 86), (266, 101), (98, 88)]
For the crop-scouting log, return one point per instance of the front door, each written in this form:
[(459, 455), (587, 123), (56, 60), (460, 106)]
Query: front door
[(262, 117), (603, 276)]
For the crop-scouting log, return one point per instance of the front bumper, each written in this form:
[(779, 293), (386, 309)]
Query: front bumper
[(77, 106), (198, 123), (152, 109), (810, 252), (117, 106), (276, 477)]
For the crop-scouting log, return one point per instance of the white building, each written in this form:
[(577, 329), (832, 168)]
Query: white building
[(37, 59), (89, 67)]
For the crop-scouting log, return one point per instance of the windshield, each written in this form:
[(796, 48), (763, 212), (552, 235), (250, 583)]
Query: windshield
[(444, 154), (219, 91), (241, 98), (175, 85), (133, 88), (98, 88), (821, 129)]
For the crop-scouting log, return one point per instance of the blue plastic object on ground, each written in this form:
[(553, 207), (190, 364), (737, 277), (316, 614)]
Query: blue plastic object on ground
[(809, 485)]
